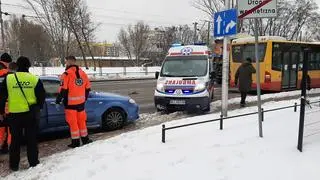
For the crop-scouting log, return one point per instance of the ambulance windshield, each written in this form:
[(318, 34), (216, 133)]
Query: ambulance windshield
[(185, 66)]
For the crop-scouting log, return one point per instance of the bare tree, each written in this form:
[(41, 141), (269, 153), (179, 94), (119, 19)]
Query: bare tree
[(209, 6), (50, 17), (87, 29), (134, 41), (185, 34), (66, 21), (312, 30), (28, 39), (293, 16), (125, 43)]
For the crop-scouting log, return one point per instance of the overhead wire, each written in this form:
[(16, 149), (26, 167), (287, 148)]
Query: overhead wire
[(131, 12), (158, 22)]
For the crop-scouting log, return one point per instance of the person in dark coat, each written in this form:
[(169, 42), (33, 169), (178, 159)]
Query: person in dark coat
[(25, 95), (243, 78)]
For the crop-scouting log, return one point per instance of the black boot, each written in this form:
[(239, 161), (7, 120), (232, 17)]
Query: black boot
[(74, 143), (4, 148), (14, 168), (86, 140)]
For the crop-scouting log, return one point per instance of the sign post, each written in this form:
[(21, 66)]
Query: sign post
[(257, 9), (303, 98), (225, 24)]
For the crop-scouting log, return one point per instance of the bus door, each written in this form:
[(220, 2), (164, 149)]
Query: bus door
[(290, 69)]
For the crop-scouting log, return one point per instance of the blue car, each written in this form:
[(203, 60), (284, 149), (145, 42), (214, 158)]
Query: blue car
[(104, 110)]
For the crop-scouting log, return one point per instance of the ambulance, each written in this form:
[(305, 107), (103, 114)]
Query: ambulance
[(186, 80)]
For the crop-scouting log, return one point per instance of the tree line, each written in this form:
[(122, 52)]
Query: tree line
[(297, 19), (63, 27), (60, 27)]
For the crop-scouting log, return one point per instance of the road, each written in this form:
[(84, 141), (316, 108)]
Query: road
[(141, 91)]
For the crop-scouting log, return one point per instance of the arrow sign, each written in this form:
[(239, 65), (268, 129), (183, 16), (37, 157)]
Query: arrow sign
[(225, 23), (219, 20), (230, 26)]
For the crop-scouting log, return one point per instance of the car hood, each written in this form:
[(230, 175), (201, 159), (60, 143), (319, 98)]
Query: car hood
[(95, 94)]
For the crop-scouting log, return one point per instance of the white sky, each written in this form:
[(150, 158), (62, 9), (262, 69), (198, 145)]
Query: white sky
[(114, 14)]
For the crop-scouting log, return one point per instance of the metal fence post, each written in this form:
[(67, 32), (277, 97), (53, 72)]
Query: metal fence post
[(262, 114), (124, 71), (221, 122), (43, 71), (295, 107), (100, 70), (163, 133), (146, 70)]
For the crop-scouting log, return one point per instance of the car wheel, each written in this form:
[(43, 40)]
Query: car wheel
[(113, 119)]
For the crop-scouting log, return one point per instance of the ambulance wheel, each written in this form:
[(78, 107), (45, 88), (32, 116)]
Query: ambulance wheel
[(113, 119)]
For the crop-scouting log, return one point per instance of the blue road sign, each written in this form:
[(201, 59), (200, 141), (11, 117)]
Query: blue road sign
[(225, 23)]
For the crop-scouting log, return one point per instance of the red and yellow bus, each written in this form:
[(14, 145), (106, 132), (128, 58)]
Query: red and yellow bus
[(281, 62)]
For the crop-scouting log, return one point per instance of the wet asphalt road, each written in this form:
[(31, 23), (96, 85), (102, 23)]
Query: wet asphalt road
[(142, 91)]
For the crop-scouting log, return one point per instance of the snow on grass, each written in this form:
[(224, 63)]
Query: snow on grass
[(154, 118), (217, 104), (107, 72), (198, 152)]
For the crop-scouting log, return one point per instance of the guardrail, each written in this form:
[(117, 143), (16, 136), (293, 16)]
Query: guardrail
[(221, 119)]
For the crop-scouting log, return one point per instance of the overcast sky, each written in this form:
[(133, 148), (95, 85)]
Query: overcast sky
[(114, 14)]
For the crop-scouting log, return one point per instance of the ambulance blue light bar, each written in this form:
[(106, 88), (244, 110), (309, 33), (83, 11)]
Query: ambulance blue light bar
[(176, 45), (200, 44)]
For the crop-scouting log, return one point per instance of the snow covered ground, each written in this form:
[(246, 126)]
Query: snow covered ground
[(154, 118), (106, 72), (272, 96), (198, 152)]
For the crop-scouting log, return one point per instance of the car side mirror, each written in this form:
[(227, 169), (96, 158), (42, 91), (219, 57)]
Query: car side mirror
[(157, 74)]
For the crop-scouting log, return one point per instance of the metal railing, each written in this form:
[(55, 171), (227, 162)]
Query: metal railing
[(221, 119)]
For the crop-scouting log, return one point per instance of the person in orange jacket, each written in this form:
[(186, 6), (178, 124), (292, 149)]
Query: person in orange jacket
[(5, 136), (74, 91)]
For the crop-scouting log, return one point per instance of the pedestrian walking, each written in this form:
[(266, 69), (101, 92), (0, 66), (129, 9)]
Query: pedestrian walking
[(74, 91), (243, 78), (25, 95)]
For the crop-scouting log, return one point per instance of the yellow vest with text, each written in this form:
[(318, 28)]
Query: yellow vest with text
[(17, 103)]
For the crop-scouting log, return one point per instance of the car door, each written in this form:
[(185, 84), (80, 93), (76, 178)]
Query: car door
[(55, 116), (91, 105)]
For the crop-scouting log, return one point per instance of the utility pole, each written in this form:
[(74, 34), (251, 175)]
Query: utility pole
[(225, 71), (208, 35), (2, 30), (195, 32)]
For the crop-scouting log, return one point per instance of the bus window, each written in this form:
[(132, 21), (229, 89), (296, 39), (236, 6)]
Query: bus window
[(318, 60), (311, 61), (236, 54), (286, 60), (276, 61), (242, 52)]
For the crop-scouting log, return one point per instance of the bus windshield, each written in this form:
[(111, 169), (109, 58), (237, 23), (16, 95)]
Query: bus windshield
[(185, 66)]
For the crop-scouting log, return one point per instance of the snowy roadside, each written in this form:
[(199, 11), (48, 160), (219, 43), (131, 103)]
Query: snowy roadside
[(200, 152), (146, 120), (150, 119)]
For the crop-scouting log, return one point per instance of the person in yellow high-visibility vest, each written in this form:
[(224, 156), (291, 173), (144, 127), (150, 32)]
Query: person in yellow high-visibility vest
[(25, 95)]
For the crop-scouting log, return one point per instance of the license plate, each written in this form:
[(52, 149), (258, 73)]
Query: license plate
[(178, 102)]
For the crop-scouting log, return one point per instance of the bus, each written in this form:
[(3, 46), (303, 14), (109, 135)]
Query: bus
[(281, 62)]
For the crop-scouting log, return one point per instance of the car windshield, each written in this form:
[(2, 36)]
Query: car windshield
[(185, 66)]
